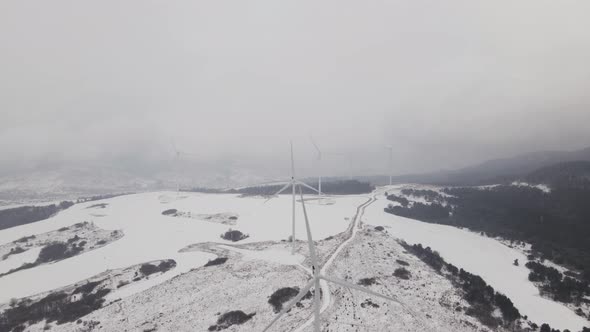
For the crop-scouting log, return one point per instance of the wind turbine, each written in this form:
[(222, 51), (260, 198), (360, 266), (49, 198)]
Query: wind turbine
[(315, 282), (177, 156), (390, 148), (293, 183), (319, 159)]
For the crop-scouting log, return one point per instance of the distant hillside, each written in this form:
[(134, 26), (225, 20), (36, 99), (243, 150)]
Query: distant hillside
[(490, 172), (570, 174), (342, 187)]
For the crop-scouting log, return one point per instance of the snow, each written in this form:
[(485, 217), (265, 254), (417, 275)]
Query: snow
[(150, 236), (543, 187), (426, 294), (483, 256), (14, 261), (274, 255)]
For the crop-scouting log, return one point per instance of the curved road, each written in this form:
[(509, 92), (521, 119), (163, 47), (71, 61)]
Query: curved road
[(354, 227)]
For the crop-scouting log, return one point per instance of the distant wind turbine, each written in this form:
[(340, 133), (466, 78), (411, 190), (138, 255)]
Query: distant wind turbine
[(390, 148), (315, 282), (319, 159), (293, 183), (177, 156)]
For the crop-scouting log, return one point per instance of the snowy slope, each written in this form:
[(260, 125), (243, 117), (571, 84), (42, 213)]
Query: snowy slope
[(150, 236), (480, 255)]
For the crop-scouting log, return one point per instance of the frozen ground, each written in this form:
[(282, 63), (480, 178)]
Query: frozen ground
[(191, 301), (480, 255), (427, 301), (150, 236), (191, 297)]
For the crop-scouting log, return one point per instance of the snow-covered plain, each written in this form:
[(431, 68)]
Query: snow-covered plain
[(150, 236), (480, 255)]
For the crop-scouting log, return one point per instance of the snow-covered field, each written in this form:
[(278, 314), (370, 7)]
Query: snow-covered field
[(150, 236), (480, 255), (427, 301), (190, 293)]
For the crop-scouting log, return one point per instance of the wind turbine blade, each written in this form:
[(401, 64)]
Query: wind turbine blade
[(307, 186), (291, 304), (292, 163), (359, 288), (310, 243), (280, 191), (316, 147)]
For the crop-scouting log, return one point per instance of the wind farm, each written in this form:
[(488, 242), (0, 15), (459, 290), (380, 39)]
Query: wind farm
[(294, 166)]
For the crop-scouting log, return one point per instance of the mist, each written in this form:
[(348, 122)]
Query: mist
[(447, 84)]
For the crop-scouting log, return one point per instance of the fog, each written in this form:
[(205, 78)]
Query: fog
[(446, 83)]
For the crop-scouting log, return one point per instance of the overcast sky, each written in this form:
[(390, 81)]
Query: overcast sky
[(447, 83)]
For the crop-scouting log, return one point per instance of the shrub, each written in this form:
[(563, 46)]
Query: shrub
[(507, 307), (98, 206), (149, 269), (26, 238), (55, 307), (367, 281), (122, 283), (73, 239), (216, 261), (170, 212), (234, 235), (369, 303), (400, 262), (87, 287), (402, 273), (231, 318), (281, 296), (402, 200), (53, 252)]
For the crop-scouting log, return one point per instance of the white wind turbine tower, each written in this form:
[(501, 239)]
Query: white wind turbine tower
[(390, 148), (319, 159), (293, 183), (315, 281)]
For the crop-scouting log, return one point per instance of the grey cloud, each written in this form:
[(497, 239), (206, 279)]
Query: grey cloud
[(447, 83)]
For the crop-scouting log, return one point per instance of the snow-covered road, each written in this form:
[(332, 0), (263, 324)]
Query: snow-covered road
[(352, 231)]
